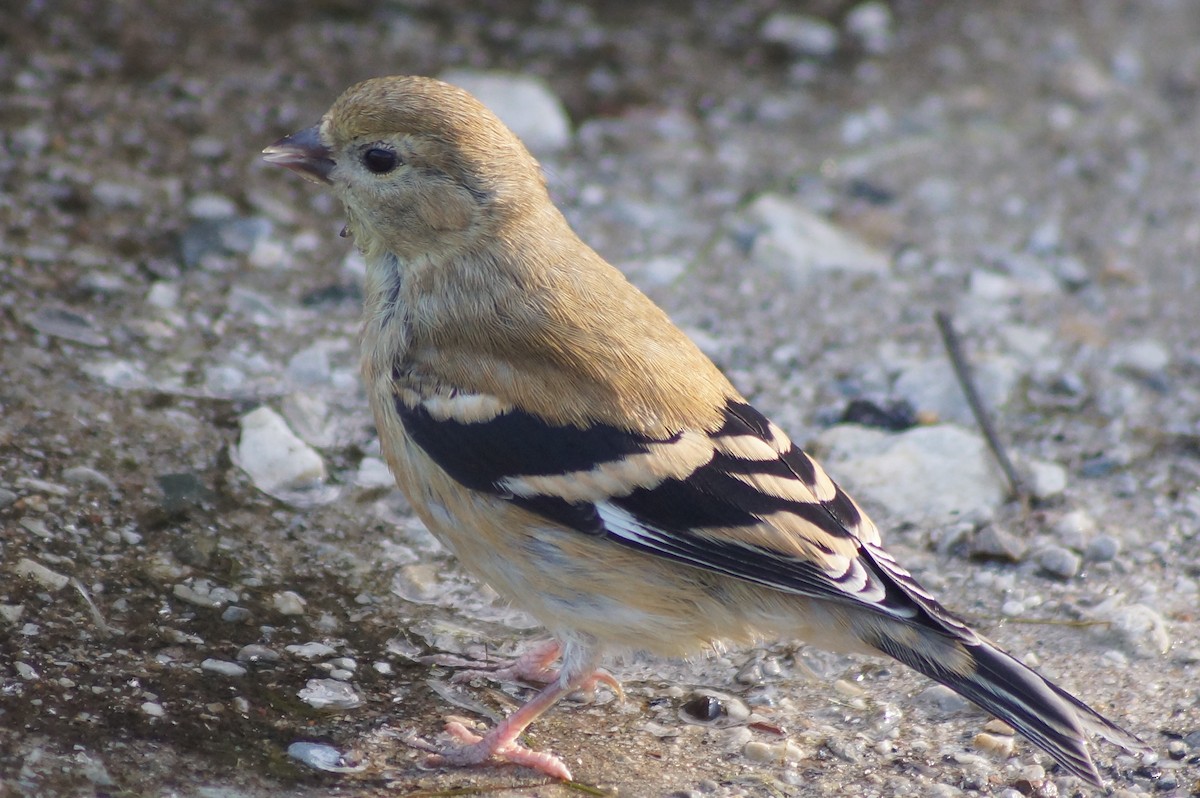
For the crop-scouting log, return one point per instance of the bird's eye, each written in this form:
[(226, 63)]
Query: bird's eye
[(379, 160)]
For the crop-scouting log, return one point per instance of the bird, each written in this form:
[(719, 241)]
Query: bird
[(579, 454)]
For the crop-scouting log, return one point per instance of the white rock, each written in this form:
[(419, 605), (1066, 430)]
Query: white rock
[(31, 569), (871, 23), (1146, 357), (937, 474), (222, 667), (275, 459), (802, 34), (289, 602), (1043, 480), (931, 387), (801, 244), (522, 102), (1142, 629), (373, 473), (329, 694), (311, 650)]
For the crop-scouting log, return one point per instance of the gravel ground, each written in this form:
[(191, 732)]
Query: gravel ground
[(191, 583)]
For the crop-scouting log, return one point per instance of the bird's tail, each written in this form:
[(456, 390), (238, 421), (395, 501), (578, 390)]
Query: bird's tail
[(1053, 719)]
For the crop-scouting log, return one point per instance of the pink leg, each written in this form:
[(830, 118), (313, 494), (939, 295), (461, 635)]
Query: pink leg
[(501, 742), (532, 666)]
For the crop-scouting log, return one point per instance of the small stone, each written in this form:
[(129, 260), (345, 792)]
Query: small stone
[(12, 612), (1000, 746), (871, 23), (153, 709), (211, 207), (7, 497), (758, 751), (235, 614), (1044, 480), (1142, 629), (222, 667), (935, 474), (51, 580), (288, 602), (793, 241), (26, 671), (1060, 562), (994, 543), (67, 325), (329, 694), (374, 473), (311, 651), (1103, 548), (524, 103), (801, 34), (257, 653), (83, 475), (1074, 529), (943, 698), (1144, 358), (325, 757), (276, 460)]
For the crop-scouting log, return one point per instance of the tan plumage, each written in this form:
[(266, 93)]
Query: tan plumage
[(580, 455)]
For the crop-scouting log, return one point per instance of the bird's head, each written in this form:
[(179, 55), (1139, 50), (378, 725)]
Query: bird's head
[(421, 166)]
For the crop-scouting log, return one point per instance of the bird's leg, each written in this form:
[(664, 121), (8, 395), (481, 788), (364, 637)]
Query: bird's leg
[(534, 666), (500, 743)]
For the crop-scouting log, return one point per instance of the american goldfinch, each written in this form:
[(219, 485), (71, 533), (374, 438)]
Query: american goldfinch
[(579, 454)]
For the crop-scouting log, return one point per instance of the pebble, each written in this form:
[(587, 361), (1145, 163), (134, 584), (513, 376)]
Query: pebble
[(998, 745), (235, 614), (1144, 358), (273, 457), (943, 698), (1142, 629), (153, 709), (311, 650), (1059, 561), (329, 694), (222, 667), (373, 473), (26, 671), (325, 757), (197, 598), (67, 325), (211, 206), (12, 612), (523, 102), (794, 241), (85, 476), (871, 23), (931, 387), (801, 34), (257, 653), (933, 475), (786, 751), (288, 602), (7, 497), (1074, 529), (994, 543), (1043, 480), (30, 569)]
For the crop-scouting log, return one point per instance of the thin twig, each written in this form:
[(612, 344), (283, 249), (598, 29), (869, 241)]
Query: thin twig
[(983, 418)]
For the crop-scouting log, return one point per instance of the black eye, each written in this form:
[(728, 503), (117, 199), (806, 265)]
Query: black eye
[(379, 160)]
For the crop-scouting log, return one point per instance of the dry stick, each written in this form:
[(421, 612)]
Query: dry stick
[(963, 371)]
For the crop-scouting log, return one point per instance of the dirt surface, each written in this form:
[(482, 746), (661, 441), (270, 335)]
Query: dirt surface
[(1030, 166)]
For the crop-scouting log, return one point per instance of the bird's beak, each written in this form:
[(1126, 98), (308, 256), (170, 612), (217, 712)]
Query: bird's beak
[(303, 153)]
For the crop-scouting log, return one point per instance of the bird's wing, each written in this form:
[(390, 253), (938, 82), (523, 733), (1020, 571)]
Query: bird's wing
[(742, 501)]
